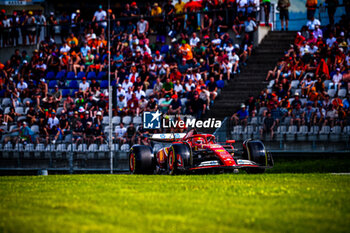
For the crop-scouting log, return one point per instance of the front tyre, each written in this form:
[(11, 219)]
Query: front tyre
[(254, 150), (179, 158)]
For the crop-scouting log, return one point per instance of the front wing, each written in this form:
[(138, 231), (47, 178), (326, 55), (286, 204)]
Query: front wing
[(240, 163)]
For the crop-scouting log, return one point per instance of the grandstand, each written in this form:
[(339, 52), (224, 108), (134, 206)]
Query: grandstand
[(55, 99), (311, 74)]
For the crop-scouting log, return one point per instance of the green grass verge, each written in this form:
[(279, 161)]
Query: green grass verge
[(202, 203), (309, 165)]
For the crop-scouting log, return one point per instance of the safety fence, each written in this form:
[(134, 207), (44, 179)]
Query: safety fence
[(288, 138), (63, 157), (62, 161)]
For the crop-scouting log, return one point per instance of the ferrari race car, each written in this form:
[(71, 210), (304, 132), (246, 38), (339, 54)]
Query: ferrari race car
[(193, 152)]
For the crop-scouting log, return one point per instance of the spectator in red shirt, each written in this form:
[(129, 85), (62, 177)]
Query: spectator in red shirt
[(299, 39), (133, 105)]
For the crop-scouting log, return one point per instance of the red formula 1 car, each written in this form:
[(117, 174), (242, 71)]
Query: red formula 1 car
[(193, 152)]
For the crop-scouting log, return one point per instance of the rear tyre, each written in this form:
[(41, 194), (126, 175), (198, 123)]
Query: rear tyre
[(141, 160), (179, 158)]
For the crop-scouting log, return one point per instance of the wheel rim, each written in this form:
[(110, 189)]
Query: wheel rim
[(132, 162), (171, 160)]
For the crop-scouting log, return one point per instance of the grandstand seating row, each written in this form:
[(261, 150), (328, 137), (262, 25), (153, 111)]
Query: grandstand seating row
[(292, 133), (73, 84), (71, 75), (62, 76), (70, 87), (63, 147), (116, 120), (260, 120), (6, 102), (330, 88)]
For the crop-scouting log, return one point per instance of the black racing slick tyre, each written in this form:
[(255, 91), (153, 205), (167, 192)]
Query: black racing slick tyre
[(254, 150), (141, 160), (179, 158)]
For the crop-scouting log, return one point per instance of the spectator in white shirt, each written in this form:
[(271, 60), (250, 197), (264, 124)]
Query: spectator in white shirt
[(134, 41), (99, 16), (311, 24), (234, 60), (84, 87), (65, 48), (253, 7), (178, 88), (139, 92), (194, 40), (53, 120), (194, 76), (229, 47), (145, 49), (304, 48), (337, 78), (128, 94), (330, 41), (22, 87), (127, 84), (227, 68), (120, 133), (142, 26), (217, 40), (189, 85), (312, 48), (242, 6), (121, 105), (120, 90), (250, 25), (41, 66)]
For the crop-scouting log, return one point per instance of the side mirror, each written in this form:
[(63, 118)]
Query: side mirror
[(230, 141)]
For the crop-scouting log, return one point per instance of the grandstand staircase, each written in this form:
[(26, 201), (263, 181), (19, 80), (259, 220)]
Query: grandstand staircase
[(251, 79)]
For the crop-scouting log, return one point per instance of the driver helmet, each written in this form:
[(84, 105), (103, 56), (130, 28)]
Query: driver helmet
[(198, 140)]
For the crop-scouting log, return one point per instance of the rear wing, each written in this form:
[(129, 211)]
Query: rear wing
[(167, 137)]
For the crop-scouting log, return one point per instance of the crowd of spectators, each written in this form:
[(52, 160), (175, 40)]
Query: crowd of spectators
[(165, 19), (61, 90), (309, 85)]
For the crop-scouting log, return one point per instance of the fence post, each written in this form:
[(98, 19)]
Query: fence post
[(49, 151), (281, 144), (70, 160)]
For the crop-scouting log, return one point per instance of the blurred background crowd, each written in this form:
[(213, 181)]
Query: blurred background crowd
[(59, 92)]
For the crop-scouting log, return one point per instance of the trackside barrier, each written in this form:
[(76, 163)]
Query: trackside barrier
[(297, 141), (62, 157)]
